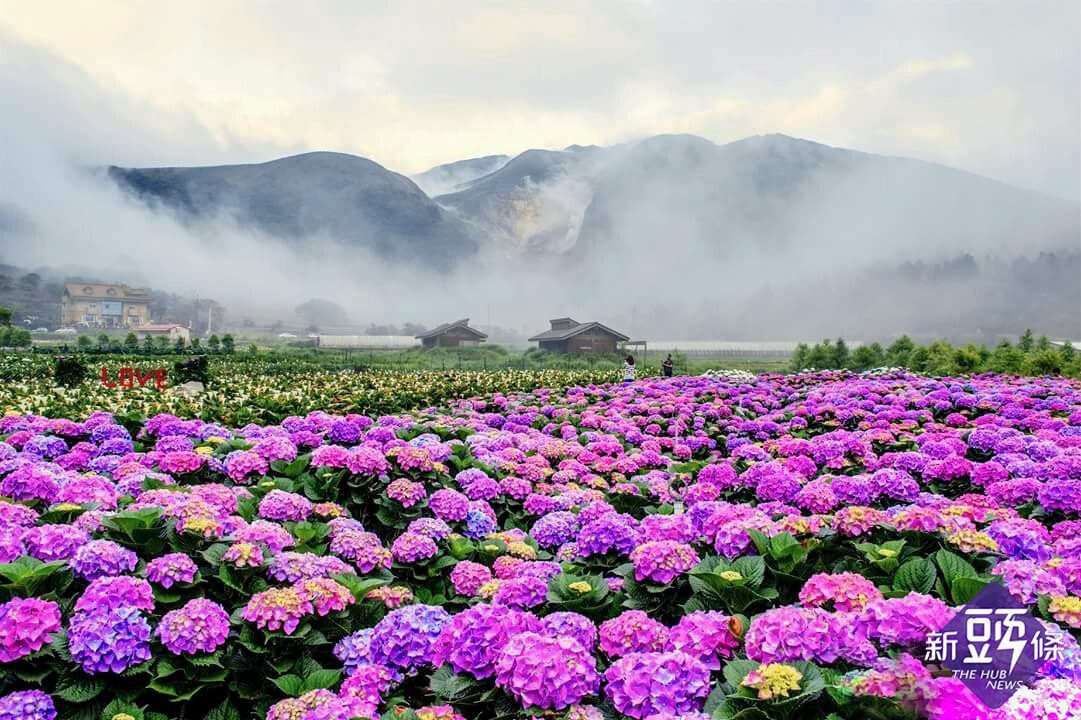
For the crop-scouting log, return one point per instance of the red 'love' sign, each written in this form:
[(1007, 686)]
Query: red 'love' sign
[(127, 377)]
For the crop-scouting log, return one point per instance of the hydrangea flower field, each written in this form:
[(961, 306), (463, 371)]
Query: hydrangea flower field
[(776, 547)]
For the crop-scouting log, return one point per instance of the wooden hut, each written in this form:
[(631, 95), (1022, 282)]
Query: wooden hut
[(455, 334), (570, 336)]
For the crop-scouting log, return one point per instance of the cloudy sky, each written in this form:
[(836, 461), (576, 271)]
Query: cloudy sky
[(991, 87)]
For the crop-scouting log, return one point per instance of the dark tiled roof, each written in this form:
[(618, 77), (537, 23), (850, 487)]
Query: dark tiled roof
[(445, 327), (565, 333)]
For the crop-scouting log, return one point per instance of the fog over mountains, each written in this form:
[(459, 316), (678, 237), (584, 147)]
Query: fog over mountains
[(676, 236), (764, 193)]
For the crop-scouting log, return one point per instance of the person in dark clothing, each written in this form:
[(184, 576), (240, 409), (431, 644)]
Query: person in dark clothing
[(666, 366)]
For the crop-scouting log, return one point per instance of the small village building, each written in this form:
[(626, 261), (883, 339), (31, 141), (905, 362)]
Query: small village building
[(570, 336), (106, 306), (169, 330), (455, 334)]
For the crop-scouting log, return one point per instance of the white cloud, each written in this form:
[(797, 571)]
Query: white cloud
[(992, 87)]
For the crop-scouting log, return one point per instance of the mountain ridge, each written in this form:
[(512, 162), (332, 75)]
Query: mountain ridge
[(772, 190)]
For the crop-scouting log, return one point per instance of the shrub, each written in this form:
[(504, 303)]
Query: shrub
[(193, 369), (70, 371)]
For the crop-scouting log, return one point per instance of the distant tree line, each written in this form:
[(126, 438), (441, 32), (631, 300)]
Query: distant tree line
[(1028, 356), (149, 345)]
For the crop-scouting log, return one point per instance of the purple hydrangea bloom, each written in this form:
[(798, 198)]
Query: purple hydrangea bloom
[(554, 529), (108, 593), (708, 636), (478, 525), (109, 642), (571, 624), (27, 705), (1062, 494), (101, 558), (608, 533), (403, 640), (643, 684), (361, 548), (522, 592), (354, 650), (901, 621)]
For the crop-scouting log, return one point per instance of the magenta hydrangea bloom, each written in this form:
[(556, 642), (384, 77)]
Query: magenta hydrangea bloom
[(201, 625), (55, 542), (293, 566), (468, 577), (171, 569), (367, 461), (109, 642), (325, 595), (412, 547), (845, 592), (472, 639), (632, 632), (26, 626), (522, 592), (275, 537), (361, 548), (280, 505), (708, 636), (662, 561), (277, 609), (902, 621), (241, 464), (109, 593), (406, 492), (300, 708), (544, 672), (368, 683), (449, 505), (792, 633), (180, 462), (27, 705), (643, 684)]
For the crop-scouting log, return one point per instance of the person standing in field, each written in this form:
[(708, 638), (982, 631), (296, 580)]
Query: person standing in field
[(628, 369), (666, 366)]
